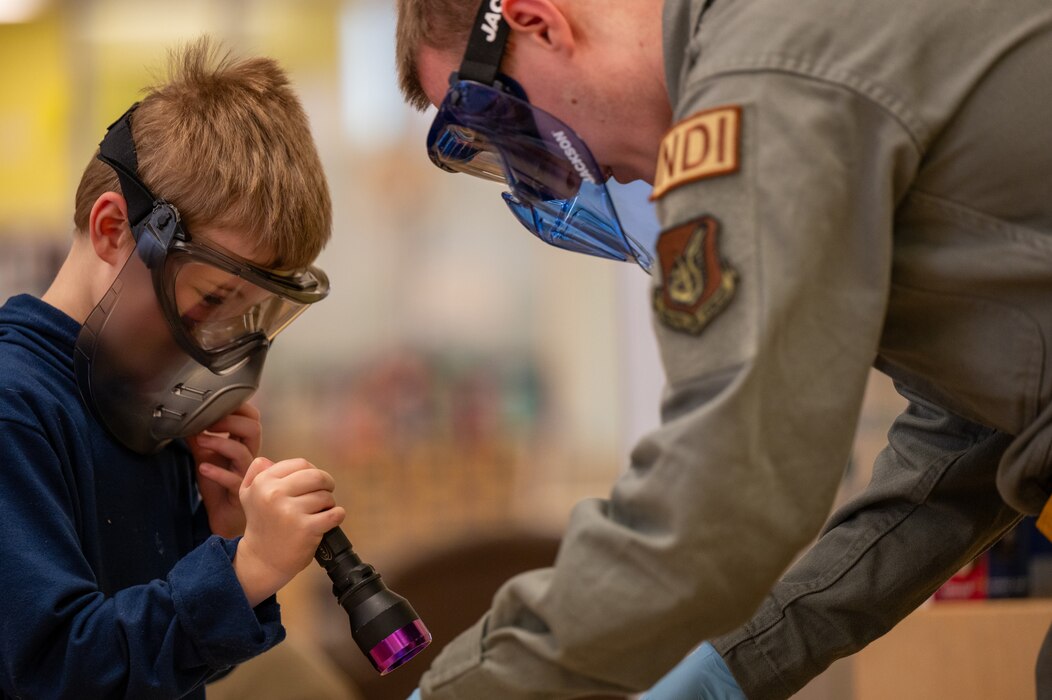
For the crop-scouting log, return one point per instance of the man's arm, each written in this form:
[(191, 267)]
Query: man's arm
[(759, 416), (931, 507)]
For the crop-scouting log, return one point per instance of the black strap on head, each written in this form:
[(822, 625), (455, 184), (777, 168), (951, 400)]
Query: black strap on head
[(117, 150), (486, 44)]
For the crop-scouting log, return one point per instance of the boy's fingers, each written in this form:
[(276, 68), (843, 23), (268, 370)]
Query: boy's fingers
[(240, 427), (322, 522), (282, 469), (315, 502), (258, 465), (247, 409), (306, 481), (238, 453), (227, 479), (244, 428)]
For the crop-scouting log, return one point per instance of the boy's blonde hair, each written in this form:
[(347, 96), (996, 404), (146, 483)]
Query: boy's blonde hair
[(443, 24), (227, 142)]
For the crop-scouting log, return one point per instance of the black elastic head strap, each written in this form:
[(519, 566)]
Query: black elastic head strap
[(117, 150), (486, 44)]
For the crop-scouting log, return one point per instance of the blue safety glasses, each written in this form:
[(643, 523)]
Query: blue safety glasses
[(487, 127), (555, 188)]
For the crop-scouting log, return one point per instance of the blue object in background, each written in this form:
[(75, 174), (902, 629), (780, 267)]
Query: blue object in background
[(1008, 562), (636, 212)]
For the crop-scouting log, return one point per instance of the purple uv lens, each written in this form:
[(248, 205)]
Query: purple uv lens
[(399, 647)]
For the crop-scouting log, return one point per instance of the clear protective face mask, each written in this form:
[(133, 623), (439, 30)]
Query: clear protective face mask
[(180, 338)]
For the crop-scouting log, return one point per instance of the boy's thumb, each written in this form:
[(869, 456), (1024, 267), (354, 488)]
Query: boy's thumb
[(258, 465)]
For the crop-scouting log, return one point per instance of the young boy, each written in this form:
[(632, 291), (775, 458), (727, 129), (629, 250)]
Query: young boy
[(135, 563)]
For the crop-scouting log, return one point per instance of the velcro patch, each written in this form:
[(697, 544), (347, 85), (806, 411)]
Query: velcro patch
[(704, 145), (695, 283)]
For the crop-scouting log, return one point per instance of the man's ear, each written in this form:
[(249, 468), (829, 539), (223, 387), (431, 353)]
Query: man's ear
[(541, 23), (108, 228)]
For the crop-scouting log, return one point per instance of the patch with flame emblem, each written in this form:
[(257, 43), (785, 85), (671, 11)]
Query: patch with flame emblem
[(695, 283)]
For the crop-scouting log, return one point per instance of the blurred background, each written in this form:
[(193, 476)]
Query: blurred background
[(464, 383)]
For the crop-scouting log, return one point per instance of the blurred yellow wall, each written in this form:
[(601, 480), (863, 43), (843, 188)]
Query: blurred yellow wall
[(35, 114)]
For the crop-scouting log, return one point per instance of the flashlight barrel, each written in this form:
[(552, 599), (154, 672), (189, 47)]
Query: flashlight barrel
[(383, 623)]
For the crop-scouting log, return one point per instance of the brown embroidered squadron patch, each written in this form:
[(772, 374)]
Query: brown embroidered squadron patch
[(695, 283)]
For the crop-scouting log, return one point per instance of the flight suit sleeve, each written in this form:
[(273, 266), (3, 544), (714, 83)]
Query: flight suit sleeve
[(766, 370), (931, 507)]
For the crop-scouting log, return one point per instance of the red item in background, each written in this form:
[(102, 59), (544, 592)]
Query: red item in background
[(970, 583)]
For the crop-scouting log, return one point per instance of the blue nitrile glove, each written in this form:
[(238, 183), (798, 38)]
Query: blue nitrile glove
[(700, 676), (415, 695)]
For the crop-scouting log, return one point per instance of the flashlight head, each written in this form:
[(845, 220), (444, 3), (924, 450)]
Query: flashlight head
[(384, 625), (400, 646)]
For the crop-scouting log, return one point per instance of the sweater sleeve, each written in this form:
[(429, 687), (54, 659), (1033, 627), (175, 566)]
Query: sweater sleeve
[(61, 636)]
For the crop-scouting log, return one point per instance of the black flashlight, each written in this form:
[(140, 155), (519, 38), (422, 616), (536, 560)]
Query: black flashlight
[(383, 623)]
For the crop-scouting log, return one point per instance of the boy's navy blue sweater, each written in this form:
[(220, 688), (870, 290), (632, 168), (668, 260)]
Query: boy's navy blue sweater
[(110, 586)]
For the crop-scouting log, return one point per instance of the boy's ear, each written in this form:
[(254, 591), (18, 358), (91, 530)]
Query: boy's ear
[(540, 23), (108, 227)]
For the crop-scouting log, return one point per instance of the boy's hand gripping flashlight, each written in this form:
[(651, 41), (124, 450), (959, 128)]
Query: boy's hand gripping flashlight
[(383, 623)]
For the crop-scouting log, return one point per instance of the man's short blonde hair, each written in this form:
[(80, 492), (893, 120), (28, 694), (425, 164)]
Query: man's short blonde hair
[(440, 24), (227, 142)]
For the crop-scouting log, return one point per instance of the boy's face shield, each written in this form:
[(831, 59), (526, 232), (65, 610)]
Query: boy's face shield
[(555, 187), (180, 338)]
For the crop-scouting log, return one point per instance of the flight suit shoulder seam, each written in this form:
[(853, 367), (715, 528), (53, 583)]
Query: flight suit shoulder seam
[(873, 91)]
